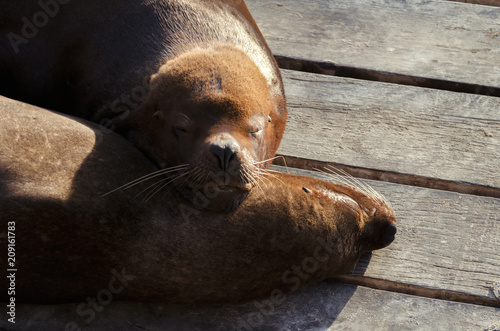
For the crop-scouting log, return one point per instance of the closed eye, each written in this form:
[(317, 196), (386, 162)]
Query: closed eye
[(178, 130), (254, 131), (257, 125)]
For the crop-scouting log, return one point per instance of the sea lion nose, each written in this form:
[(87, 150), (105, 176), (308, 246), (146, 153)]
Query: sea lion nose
[(390, 232), (225, 152)]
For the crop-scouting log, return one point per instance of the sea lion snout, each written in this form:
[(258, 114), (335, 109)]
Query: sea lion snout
[(380, 229), (390, 234), (225, 152)]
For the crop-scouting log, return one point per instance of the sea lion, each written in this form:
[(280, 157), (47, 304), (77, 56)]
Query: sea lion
[(187, 82), (73, 241)]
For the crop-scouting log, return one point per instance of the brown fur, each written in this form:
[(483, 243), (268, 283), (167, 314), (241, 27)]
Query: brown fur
[(288, 233)]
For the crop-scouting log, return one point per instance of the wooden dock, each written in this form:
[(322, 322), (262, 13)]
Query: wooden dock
[(407, 95), (404, 92)]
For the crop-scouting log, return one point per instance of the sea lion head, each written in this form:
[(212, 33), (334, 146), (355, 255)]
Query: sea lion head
[(363, 215), (348, 215), (211, 112), (369, 209)]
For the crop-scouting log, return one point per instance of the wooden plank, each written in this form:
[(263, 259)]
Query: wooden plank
[(393, 128), (445, 241), (319, 307), (437, 40)]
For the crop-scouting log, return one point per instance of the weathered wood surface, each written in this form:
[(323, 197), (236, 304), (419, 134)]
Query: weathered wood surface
[(323, 306), (445, 241), (393, 128), (441, 40)]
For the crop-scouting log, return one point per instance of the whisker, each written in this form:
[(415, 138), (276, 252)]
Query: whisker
[(159, 183), (263, 180), (254, 175), (188, 175), (246, 177), (284, 161), (169, 188), (270, 159), (153, 193), (204, 176), (147, 177), (156, 174), (274, 171), (152, 186), (336, 177), (261, 189), (267, 172), (370, 189), (271, 174), (197, 175), (350, 179), (358, 184), (263, 176), (364, 188)]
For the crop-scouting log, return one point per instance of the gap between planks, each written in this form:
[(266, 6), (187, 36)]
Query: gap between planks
[(415, 290), (331, 69), (391, 177)]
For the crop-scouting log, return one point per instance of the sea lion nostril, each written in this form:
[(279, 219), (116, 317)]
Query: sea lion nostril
[(390, 232), (225, 152)]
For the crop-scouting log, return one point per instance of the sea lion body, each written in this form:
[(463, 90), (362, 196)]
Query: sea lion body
[(71, 245), (133, 67)]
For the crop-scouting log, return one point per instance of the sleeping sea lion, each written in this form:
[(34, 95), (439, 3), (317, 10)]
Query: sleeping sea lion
[(73, 241)]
